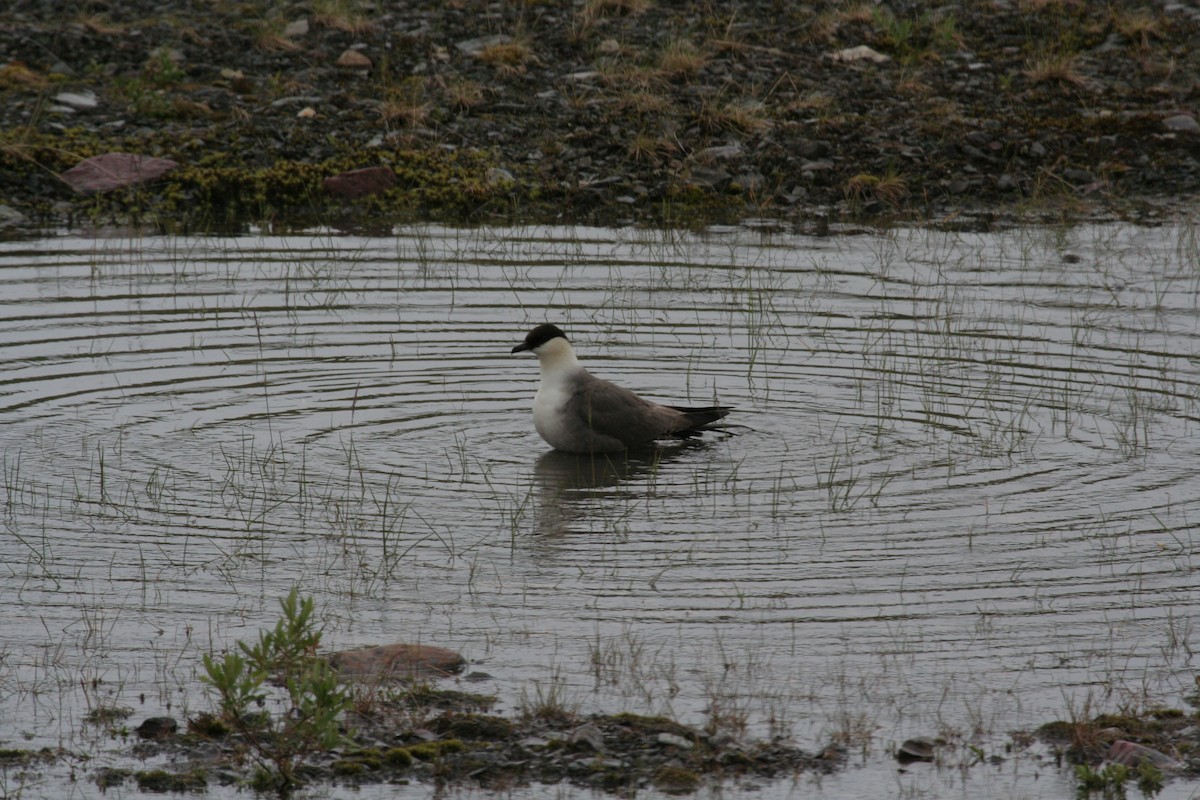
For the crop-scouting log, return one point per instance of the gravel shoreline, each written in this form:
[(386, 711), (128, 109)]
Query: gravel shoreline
[(600, 111)]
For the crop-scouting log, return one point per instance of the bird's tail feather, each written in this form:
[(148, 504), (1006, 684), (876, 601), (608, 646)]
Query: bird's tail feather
[(699, 418)]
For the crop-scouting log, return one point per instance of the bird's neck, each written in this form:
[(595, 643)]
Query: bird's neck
[(557, 358)]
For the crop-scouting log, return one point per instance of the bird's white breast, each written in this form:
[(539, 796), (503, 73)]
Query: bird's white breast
[(548, 409)]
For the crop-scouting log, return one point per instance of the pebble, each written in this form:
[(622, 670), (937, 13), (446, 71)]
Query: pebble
[(473, 47), (296, 28), (1182, 123), (589, 735), (674, 740), (498, 176), (77, 100), (10, 217), (352, 59), (721, 152), (919, 748), (860, 53), (708, 178), (1077, 176)]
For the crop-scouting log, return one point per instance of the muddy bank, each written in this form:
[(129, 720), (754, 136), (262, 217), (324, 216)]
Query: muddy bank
[(610, 111)]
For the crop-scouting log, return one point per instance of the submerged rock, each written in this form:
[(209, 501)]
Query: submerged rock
[(393, 661), (919, 748), (157, 728), (1132, 755)]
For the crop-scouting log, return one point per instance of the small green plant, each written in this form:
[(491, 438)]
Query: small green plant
[(286, 656), (1110, 781)]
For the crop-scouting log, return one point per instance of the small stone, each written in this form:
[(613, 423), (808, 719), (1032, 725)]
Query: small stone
[(1133, 755), (609, 47), (352, 59), (296, 28), (308, 112), (920, 748), (232, 74), (498, 176), (674, 740), (157, 728), (1037, 150), (587, 735), (1077, 176), (722, 152), (10, 217), (360, 182), (1005, 183), (819, 165), (81, 101), (706, 178), (1182, 123), (473, 47), (860, 53)]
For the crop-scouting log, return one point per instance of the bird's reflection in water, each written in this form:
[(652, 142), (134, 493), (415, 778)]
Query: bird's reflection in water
[(569, 485)]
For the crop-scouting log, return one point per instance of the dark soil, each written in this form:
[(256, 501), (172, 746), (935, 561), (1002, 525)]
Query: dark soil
[(609, 111)]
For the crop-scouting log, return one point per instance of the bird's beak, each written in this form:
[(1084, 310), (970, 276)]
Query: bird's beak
[(522, 347)]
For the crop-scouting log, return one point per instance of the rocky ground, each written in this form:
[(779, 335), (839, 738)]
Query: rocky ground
[(609, 111)]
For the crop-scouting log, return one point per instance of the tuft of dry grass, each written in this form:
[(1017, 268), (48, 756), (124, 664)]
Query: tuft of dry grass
[(16, 75), (1139, 26), (890, 188), (1059, 68), (649, 149), (644, 102), (509, 57), (680, 57), (406, 103), (742, 114), (341, 15), (594, 10), (101, 26), (463, 93)]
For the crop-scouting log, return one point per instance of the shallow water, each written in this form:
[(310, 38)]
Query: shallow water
[(963, 502)]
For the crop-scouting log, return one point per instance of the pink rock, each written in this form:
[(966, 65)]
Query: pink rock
[(398, 661), (358, 182), (352, 59), (114, 171), (1131, 755)]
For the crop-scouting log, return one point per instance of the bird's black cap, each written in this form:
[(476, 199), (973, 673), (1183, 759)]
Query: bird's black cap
[(538, 337)]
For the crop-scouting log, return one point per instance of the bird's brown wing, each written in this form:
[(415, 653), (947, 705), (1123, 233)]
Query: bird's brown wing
[(611, 412)]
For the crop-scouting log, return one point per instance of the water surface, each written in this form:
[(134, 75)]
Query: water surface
[(963, 502)]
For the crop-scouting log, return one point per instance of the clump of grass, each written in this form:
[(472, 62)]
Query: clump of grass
[(650, 149), (1138, 25), (269, 35), (15, 75), (463, 93), (742, 114), (406, 103), (342, 15), (890, 188), (101, 26), (681, 57), (509, 57), (594, 10), (1057, 68)]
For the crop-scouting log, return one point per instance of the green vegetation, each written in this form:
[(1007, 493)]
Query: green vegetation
[(314, 703)]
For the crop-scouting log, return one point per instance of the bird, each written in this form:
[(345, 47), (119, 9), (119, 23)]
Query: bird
[(577, 412)]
